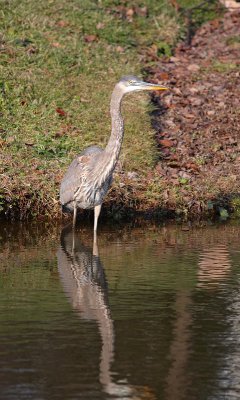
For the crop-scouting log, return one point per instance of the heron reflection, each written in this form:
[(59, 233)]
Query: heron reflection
[(84, 281)]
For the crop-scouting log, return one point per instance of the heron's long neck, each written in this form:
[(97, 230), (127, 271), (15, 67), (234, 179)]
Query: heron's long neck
[(108, 158), (113, 147)]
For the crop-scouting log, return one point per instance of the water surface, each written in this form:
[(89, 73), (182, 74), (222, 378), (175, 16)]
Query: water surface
[(146, 313)]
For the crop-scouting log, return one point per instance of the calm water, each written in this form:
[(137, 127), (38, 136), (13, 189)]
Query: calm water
[(148, 313)]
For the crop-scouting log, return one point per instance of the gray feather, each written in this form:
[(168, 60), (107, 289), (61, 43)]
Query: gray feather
[(72, 180)]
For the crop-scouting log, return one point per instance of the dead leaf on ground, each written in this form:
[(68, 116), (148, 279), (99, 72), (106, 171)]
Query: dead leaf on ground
[(62, 23), (120, 49), (141, 11), (193, 67), (100, 25), (163, 76), (129, 14), (166, 142), (199, 116), (90, 38), (61, 112), (57, 45)]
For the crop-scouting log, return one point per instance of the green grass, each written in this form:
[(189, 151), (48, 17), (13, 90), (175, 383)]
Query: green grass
[(233, 41), (67, 56), (223, 67), (46, 64)]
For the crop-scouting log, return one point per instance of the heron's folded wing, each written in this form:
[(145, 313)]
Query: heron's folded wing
[(74, 176)]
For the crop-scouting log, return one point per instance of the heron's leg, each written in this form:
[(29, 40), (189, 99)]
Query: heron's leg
[(97, 210), (74, 213)]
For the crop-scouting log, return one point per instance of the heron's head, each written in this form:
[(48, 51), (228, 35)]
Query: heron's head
[(132, 84)]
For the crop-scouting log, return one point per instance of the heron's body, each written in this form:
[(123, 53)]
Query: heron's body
[(89, 176), (75, 186)]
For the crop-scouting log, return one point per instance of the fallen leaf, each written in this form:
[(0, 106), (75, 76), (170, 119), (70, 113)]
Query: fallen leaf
[(141, 11), (189, 115), (231, 4), (100, 25), (174, 59), (61, 112), (56, 44), (120, 49), (166, 143), (163, 76), (184, 175), (192, 166), (129, 14), (90, 38), (193, 67), (62, 23), (210, 112), (195, 101)]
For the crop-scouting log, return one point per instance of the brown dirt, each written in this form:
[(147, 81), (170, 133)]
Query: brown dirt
[(198, 123)]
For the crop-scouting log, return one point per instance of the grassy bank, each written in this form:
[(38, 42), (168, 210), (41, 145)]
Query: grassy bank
[(59, 63)]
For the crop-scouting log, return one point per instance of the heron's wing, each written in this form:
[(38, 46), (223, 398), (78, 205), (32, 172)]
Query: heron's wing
[(73, 178)]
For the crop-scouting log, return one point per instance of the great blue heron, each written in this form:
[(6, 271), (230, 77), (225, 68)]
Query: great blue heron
[(89, 176)]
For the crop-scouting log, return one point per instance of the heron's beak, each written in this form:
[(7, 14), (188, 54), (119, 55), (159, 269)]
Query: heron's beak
[(152, 86)]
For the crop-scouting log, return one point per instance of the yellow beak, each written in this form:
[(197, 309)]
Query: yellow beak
[(151, 86)]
